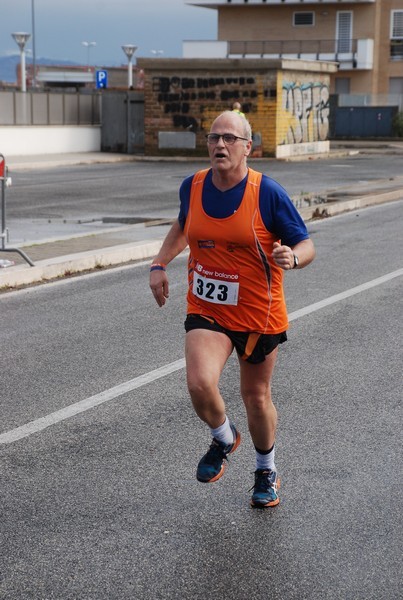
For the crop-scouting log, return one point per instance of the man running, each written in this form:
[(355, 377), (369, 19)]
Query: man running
[(243, 232)]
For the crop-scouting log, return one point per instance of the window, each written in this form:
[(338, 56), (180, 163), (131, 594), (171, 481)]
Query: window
[(344, 29), (304, 19), (396, 35), (342, 85), (396, 85), (397, 24)]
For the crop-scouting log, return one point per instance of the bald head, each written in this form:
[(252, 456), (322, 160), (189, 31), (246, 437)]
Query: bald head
[(235, 120)]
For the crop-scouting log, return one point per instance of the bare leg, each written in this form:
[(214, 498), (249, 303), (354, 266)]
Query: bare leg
[(206, 354), (256, 394)]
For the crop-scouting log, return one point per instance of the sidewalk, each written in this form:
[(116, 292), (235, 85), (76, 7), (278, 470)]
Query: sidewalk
[(119, 245), (83, 253), (338, 148)]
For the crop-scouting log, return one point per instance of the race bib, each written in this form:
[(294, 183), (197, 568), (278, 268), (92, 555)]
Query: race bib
[(217, 285)]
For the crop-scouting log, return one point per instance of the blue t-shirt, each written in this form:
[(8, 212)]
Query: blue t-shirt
[(276, 208)]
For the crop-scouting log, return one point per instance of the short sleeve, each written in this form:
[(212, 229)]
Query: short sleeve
[(184, 197), (279, 213)]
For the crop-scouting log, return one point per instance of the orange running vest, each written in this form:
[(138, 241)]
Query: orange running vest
[(232, 276)]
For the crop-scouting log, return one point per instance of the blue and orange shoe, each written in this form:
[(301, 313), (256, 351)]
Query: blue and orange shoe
[(267, 483), (212, 466)]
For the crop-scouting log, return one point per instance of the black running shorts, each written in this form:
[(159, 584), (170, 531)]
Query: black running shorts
[(250, 346)]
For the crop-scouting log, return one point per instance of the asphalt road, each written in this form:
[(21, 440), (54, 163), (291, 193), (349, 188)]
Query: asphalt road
[(104, 504), (56, 202)]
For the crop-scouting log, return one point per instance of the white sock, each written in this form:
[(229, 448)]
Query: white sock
[(223, 433), (265, 461)]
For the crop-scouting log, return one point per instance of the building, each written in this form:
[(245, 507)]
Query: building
[(365, 38), (286, 102), (77, 77)]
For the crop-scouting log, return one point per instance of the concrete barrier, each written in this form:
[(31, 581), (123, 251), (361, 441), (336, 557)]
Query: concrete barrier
[(52, 139)]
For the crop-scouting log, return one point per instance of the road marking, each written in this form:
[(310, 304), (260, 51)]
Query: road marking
[(84, 405), (80, 277), (343, 295), (74, 409)]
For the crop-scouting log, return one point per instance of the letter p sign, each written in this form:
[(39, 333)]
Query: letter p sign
[(101, 79)]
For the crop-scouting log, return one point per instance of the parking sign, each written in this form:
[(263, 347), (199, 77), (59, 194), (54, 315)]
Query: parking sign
[(101, 79)]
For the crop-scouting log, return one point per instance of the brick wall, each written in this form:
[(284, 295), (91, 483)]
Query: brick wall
[(187, 94)]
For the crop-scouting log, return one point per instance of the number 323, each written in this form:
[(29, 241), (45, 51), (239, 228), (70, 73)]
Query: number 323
[(211, 291)]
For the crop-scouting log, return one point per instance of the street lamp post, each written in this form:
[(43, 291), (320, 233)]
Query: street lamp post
[(21, 39), (88, 45), (129, 50), (33, 44)]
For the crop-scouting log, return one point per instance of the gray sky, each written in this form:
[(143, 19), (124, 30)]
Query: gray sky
[(61, 26)]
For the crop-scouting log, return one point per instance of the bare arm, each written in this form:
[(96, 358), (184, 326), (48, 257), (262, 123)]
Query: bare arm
[(283, 256), (173, 245)]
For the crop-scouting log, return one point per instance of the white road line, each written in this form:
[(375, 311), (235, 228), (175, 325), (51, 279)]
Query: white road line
[(78, 278), (84, 405), (343, 295)]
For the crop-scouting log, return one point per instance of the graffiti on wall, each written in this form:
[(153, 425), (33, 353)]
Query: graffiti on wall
[(305, 108), (185, 99)]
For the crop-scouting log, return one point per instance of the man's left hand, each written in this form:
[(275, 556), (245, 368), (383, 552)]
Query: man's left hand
[(283, 256)]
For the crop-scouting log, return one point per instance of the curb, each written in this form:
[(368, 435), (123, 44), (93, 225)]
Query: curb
[(54, 268), (17, 164), (337, 206)]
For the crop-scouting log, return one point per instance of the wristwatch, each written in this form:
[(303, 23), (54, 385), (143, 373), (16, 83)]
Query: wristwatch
[(296, 261)]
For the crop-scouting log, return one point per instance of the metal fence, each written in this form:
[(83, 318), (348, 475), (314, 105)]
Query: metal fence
[(49, 108), (371, 100)]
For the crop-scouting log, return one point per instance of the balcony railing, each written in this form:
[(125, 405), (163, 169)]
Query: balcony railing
[(349, 53), (316, 49), (218, 3)]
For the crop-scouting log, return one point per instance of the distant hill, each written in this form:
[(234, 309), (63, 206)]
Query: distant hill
[(8, 66)]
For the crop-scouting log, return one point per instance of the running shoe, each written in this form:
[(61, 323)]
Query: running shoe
[(211, 467), (267, 483)]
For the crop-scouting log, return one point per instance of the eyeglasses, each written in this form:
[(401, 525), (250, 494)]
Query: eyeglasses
[(228, 138)]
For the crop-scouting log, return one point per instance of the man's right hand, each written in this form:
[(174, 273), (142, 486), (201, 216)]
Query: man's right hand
[(159, 286)]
